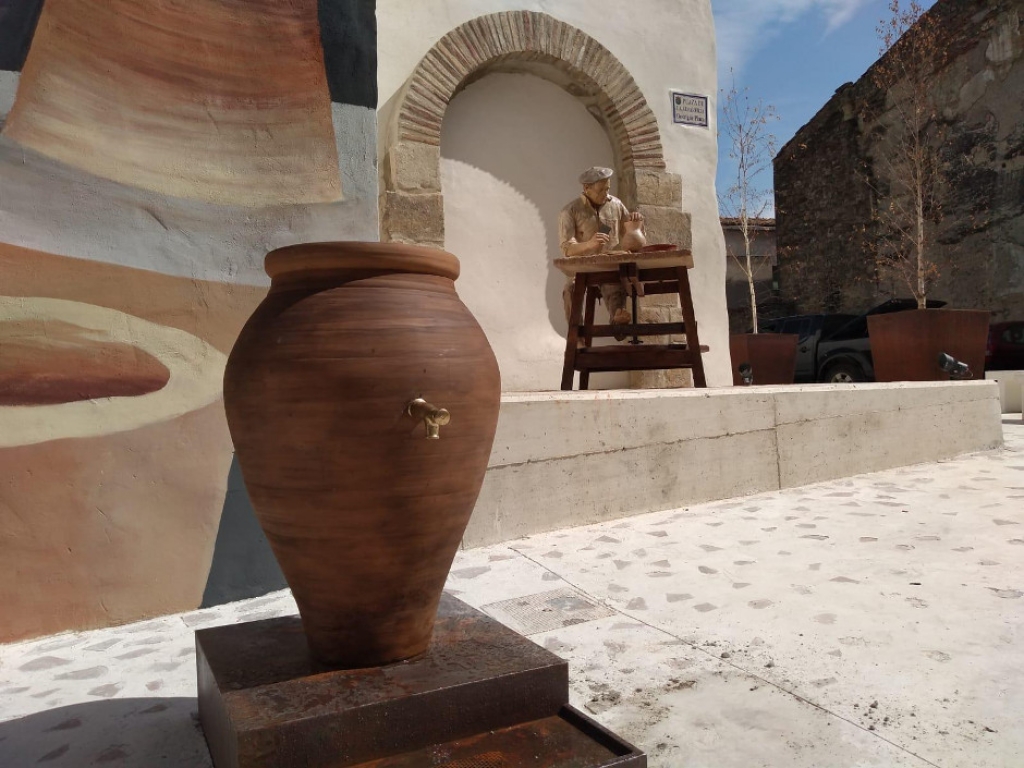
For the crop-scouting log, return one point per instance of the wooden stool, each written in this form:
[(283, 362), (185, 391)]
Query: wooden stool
[(641, 274)]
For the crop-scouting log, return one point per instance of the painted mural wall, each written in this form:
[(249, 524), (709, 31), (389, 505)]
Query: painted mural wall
[(151, 153)]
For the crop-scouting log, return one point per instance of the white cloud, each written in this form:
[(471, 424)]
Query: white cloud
[(744, 27)]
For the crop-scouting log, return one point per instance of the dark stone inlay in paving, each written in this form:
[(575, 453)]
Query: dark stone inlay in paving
[(67, 725), (83, 674), (678, 598), (706, 569), (705, 607), (114, 752), (42, 663), (58, 752), (106, 644), (106, 691)]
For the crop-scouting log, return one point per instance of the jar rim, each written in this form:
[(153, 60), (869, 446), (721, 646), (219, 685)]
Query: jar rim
[(343, 256)]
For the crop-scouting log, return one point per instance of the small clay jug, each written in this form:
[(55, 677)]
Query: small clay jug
[(633, 239), (362, 398)]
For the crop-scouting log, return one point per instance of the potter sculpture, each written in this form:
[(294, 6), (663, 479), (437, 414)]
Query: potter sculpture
[(597, 222)]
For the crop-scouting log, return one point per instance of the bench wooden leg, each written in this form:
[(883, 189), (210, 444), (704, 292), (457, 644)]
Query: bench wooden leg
[(579, 291), (690, 322), (588, 323)]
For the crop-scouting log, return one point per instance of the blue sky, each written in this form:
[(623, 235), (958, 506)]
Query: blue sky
[(793, 54)]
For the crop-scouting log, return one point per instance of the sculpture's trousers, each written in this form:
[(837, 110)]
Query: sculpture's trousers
[(613, 295)]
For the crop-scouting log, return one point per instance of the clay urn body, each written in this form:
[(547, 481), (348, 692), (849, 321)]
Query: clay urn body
[(633, 239), (362, 397)]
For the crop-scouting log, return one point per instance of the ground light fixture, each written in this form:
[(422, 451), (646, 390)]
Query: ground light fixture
[(746, 373), (956, 369)]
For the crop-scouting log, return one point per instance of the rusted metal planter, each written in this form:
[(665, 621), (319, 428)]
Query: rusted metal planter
[(772, 357), (905, 346)]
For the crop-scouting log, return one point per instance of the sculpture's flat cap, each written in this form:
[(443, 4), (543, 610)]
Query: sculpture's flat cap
[(595, 174)]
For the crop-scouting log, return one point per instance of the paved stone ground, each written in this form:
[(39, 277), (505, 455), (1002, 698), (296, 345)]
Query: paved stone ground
[(872, 621)]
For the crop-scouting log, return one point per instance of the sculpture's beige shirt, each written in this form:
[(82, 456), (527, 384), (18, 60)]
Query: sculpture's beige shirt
[(578, 221)]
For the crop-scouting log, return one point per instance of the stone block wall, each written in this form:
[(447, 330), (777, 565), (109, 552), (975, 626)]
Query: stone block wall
[(824, 203)]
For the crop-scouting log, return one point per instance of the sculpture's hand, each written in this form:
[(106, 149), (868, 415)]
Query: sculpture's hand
[(636, 216), (597, 243)]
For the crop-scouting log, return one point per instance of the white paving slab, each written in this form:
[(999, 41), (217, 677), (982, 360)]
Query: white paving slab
[(872, 621)]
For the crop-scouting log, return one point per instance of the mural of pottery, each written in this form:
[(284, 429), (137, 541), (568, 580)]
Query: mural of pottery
[(113, 461), (223, 102), (362, 397)]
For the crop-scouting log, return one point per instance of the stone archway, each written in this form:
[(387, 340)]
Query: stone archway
[(412, 206)]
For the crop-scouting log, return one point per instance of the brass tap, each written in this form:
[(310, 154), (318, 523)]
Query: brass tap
[(433, 417)]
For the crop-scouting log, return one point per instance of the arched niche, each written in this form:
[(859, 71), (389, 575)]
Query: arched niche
[(412, 204)]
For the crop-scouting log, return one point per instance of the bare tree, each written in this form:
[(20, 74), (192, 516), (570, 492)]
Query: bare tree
[(747, 126), (907, 169)]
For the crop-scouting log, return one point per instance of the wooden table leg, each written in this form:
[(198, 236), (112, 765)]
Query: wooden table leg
[(579, 291), (690, 322), (588, 323)]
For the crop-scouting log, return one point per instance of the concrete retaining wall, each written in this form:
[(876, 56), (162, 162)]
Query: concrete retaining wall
[(1011, 389), (572, 458)]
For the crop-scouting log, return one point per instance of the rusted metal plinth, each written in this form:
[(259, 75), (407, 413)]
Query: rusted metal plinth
[(482, 697)]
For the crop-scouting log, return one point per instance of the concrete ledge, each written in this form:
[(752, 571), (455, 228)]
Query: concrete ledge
[(1011, 389), (571, 458)]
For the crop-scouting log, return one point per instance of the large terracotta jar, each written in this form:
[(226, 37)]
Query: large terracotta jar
[(334, 394)]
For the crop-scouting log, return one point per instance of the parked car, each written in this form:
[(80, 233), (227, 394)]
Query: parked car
[(810, 330), (1005, 348), (835, 348)]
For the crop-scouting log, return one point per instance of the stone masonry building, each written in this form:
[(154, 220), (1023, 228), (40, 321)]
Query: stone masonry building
[(824, 201)]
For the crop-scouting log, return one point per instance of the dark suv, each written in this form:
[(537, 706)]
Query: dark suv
[(835, 348)]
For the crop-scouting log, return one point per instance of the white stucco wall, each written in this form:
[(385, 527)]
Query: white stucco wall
[(665, 44), (512, 147)]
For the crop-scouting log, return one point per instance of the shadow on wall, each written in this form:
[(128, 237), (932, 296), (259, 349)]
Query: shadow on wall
[(129, 732), (243, 562), (512, 148)]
